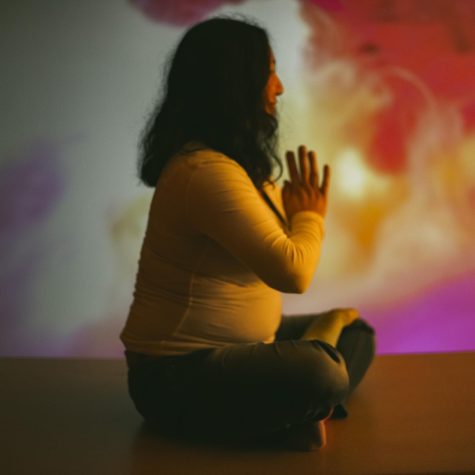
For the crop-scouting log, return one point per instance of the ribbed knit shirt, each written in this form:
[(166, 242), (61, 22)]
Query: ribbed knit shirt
[(215, 259)]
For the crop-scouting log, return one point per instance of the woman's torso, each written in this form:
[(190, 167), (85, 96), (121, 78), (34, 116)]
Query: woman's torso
[(191, 293)]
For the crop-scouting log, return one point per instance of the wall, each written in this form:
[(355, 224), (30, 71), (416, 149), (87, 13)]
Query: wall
[(383, 90)]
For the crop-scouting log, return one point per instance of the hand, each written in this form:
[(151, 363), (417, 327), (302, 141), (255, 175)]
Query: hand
[(303, 192)]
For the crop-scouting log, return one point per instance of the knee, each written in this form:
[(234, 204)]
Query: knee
[(361, 325), (326, 375), (364, 332)]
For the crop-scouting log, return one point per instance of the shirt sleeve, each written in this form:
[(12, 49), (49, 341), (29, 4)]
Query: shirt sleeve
[(223, 203)]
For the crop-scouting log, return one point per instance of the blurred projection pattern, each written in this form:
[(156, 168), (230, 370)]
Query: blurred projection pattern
[(384, 90)]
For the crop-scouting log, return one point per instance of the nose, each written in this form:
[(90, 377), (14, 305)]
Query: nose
[(280, 87)]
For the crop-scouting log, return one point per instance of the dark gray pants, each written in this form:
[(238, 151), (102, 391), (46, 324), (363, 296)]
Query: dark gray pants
[(251, 391)]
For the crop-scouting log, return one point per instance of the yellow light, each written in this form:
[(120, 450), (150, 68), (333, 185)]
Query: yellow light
[(354, 178)]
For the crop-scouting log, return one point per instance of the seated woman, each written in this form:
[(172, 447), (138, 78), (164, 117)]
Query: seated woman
[(209, 353)]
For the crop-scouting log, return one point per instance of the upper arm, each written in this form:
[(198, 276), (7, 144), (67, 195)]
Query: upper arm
[(224, 204)]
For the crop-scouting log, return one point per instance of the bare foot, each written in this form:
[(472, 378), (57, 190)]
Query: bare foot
[(348, 315), (320, 437), (328, 325)]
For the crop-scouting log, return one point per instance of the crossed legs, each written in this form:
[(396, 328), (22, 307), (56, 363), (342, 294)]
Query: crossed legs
[(249, 391)]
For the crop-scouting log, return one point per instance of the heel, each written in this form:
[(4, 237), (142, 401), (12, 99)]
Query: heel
[(307, 437)]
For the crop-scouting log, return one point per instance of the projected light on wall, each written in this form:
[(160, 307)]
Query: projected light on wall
[(383, 90)]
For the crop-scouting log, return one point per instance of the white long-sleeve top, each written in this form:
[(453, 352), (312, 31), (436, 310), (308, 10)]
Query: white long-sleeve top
[(215, 258)]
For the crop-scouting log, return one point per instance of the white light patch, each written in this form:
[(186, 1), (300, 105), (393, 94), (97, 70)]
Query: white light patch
[(354, 178)]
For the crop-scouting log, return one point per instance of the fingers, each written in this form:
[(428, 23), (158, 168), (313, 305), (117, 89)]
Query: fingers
[(293, 172), (326, 180), (303, 161), (313, 169), (308, 171)]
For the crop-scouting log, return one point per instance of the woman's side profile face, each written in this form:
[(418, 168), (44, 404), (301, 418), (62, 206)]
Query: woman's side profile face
[(220, 89), (273, 88)]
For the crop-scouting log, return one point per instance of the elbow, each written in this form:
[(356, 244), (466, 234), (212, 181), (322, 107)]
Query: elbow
[(299, 284), (292, 283), (297, 269), (291, 272)]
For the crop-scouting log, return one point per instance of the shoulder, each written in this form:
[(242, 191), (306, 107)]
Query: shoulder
[(198, 161), (214, 176), (208, 165), (207, 157)]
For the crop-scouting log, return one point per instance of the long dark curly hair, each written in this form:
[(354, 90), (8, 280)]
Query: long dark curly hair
[(214, 95)]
